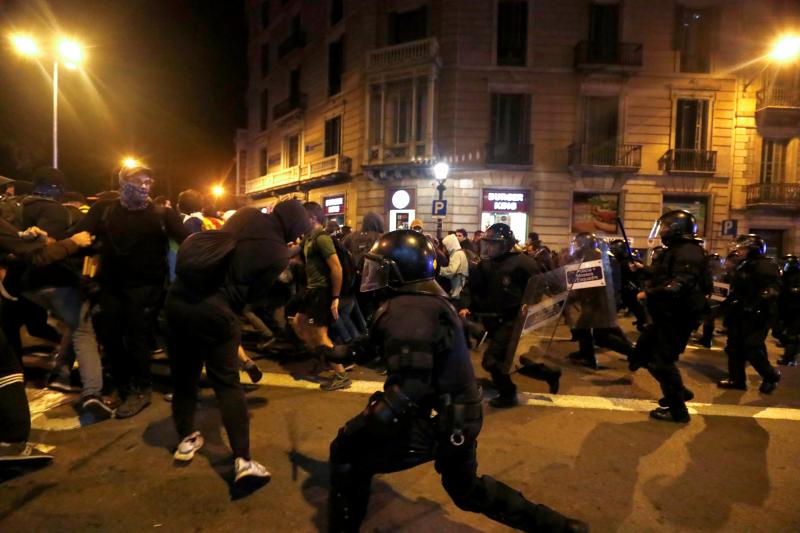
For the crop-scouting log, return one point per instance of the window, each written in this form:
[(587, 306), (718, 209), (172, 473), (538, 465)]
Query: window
[(333, 136), (264, 59), (408, 26), (292, 148), (602, 120), (263, 117), (399, 119), (294, 85), (242, 165), (337, 11), (773, 161), (335, 67), (264, 14), (695, 33), (604, 33), (401, 109), (691, 126), (509, 129), (262, 161), (512, 32)]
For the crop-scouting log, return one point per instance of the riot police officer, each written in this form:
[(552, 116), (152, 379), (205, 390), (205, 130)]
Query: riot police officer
[(419, 335), (498, 285), (789, 310), (630, 280), (675, 298), (751, 309), (596, 308)]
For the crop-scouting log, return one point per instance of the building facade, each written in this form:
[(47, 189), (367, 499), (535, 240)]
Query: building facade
[(555, 116)]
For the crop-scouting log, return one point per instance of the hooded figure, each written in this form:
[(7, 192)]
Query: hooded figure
[(358, 244), (457, 269)]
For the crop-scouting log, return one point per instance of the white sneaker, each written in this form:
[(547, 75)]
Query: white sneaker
[(188, 447), (250, 469)]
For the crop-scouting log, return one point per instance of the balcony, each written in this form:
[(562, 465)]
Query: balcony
[(335, 165), (625, 57), (778, 112), (294, 41), (605, 158), (689, 161), (509, 154), (295, 103), (773, 195), (403, 55)]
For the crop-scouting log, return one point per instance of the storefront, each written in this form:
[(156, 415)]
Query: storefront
[(335, 208), (507, 206), (401, 205)]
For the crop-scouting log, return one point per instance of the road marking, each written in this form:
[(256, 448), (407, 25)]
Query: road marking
[(566, 401)]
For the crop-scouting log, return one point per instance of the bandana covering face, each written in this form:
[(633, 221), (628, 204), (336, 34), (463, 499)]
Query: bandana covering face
[(134, 196)]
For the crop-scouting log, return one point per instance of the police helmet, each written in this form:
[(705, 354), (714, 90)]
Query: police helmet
[(583, 242), (790, 264), (404, 261), (500, 233), (751, 245), (675, 226), (619, 248)]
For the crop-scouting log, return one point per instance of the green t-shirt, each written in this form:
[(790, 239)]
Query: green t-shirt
[(317, 249)]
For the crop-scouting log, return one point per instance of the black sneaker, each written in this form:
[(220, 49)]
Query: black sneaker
[(95, 410), (553, 380), (339, 381), (666, 414), (253, 371), (133, 404), (23, 453)]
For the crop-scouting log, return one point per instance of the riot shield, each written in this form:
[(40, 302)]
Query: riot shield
[(580, 294), (720, 287)]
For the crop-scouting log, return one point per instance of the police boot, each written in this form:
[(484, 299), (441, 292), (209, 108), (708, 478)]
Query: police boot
[(504, 401), (768, 386), (731, 384), (670, 415)]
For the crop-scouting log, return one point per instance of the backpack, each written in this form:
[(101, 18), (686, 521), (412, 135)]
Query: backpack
[(203, 258), (348, 266)]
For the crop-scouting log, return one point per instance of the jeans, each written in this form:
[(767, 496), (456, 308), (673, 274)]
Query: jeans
[(344, 328), (68, 305)]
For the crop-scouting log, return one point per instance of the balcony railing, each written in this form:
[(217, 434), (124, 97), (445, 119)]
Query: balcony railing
[(335, 164), (400, 55), (590, 54), (682, 160), (509, 154), (620, 157), (778, 97), (293, 41), (293, 103), (773, 194)]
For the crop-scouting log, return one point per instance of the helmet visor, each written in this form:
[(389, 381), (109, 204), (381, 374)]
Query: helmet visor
[(375, 274), (655, 233)]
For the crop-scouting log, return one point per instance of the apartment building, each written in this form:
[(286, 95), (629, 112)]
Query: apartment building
[(555, 116)]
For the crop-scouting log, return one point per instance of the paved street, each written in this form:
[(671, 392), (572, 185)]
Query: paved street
[(589, 452)]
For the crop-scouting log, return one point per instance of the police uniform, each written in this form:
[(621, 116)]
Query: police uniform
[(789, 310), (419, 335), (675, 300), (751, 311)]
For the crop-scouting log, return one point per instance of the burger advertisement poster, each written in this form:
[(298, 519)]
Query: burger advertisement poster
[(595, 212), (696, 205)]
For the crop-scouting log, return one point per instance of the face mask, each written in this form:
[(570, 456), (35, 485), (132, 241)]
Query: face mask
[(134, 196)]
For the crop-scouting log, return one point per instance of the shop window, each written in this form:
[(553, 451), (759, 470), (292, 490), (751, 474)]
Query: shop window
[(512, 32), (335, 66), (773, 161), (333, 136), (408, 26)]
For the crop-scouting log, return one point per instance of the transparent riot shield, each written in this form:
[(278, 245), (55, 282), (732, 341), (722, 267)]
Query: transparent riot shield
[(579, 294), (720, 286)]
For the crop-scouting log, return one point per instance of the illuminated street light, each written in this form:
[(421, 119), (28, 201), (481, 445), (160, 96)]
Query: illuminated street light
[(25, 45), (67, 50), (440, 171), (786, 48), (131, 162), (217, 191)]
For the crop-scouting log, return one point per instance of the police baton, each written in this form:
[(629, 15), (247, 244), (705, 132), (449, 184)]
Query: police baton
[(624, 236)]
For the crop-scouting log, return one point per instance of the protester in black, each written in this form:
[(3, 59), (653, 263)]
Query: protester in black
[(133, 243), (418, 334), (204, 327)]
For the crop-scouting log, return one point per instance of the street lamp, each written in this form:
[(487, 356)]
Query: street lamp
[(786, 48), (440, 171), (217, 191), (67, 50), (131, 162)]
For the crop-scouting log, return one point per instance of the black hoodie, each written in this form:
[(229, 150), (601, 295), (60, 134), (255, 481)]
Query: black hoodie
[(360, 243), (261, 253)]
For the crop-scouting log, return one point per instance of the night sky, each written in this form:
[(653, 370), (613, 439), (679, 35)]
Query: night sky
[(164, 80)]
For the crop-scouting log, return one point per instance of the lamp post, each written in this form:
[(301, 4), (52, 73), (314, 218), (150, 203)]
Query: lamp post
[(440, 171), (66, 50), (785, 49)]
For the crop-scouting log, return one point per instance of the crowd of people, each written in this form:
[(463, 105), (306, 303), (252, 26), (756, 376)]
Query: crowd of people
[(131, 276)]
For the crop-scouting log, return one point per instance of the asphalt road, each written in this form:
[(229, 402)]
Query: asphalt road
[(590, 452)]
